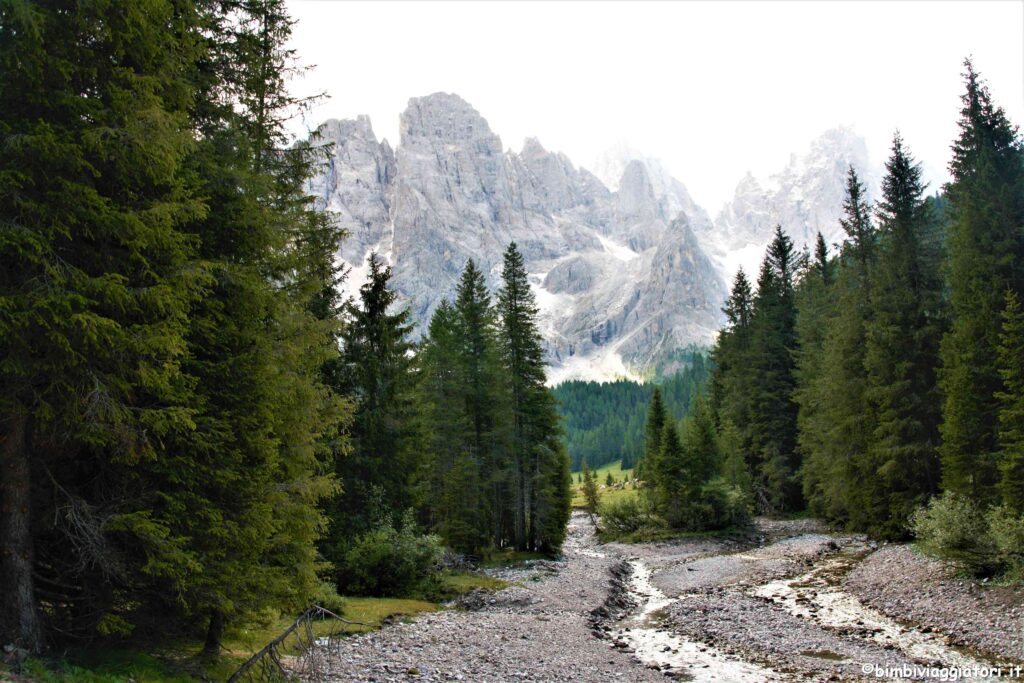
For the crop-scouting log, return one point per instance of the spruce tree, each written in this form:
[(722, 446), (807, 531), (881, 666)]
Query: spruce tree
[(822, 264), (244, 487), (453, 495), (773, 411), (986, 257), (669, 478), (699, 443), (839, 435), (653, 431), (97, 278), (732, 381), (536, 443), (814, 310), (185, 450), (377, 371), (901, 469), (485, 401), (1011, 405), (590, 494)]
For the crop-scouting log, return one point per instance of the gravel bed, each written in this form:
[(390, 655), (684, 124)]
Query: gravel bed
[(487, 647), (555, 623), (749, 627), (539, 630), (757, 565), (909, 586)]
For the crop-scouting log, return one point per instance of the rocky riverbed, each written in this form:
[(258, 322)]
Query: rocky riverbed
[(788, 602)]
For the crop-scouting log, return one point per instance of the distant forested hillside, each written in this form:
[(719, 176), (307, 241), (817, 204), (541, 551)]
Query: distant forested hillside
[(604, 422)]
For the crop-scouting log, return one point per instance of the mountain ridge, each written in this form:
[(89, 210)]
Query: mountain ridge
[(623, 276)]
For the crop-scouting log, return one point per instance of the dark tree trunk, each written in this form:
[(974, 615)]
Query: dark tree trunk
[(19, 618), (214, 634)]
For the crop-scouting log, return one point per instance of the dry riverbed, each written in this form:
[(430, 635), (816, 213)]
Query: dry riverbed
[(789, 602)]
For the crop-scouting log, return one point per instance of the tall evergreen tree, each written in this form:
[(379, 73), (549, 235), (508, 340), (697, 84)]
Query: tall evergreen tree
[(184, 453), (839, 436), (485, 400), (1011, 405), (822, 265), (687, 462), (453, 497), (97, 277), (377, 371), (700, 445), (815, 308), (244, 487), (986, 257), (900, 469), (668, 477), (773, 412), (732, 380), (654, 429), (537, 452)]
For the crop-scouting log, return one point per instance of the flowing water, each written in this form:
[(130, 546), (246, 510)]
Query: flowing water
[(655, 645), (816, 596)]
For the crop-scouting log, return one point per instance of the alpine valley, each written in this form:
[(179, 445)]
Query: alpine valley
[(628, 270)]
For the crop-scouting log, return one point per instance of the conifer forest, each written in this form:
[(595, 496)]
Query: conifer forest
[(211, 421)]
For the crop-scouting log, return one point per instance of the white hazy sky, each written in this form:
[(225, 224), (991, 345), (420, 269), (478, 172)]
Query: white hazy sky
[(714, 89)]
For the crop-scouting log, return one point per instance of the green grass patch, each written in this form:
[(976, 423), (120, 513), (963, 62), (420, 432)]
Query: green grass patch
[(606, 494), (181, 663), (105, 665), (373, 611), (613, 468)]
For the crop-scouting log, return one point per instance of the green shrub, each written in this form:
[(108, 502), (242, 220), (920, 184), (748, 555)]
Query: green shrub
[(627, 515), (723, 505), (1007, 533), (982, 543), (390, 562), (326, 595), (717, 505)]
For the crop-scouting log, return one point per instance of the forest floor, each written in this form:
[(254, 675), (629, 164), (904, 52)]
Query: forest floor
[(788, 602)]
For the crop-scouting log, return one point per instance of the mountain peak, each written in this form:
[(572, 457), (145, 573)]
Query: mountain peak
[(532, 148), (445, 117), (805, 197), (615, 279)]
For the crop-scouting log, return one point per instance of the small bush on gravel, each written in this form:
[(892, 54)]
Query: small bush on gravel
[(392, 562), (983, 543), (1007, 531), (724, 505), (628, 515)]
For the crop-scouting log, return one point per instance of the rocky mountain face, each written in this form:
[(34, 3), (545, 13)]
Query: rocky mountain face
[(626, 268), (620, 276), (805, 197)]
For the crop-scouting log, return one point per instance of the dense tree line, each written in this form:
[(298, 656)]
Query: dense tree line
[(195, 429), (497, 473), (690, 473), (167, 314), (604, 421), (459, 428), (864, 382)]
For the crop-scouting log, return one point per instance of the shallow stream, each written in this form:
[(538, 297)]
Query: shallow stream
[(654, 644), (816, 596)]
